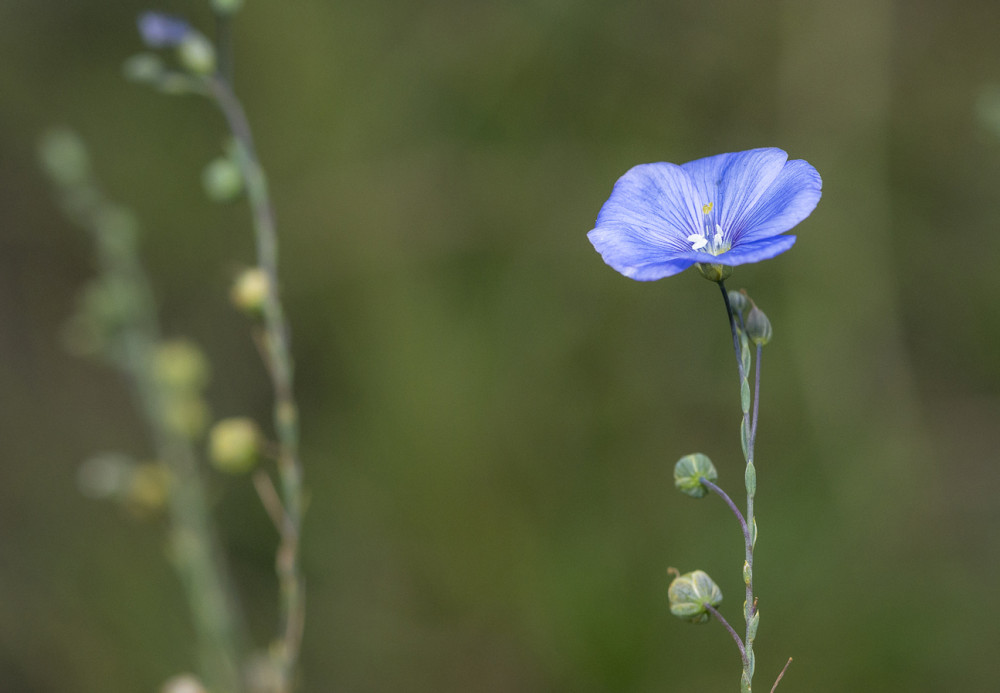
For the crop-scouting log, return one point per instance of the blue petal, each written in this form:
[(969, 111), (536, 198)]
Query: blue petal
[(652, 210), (160, 30), (790, 198)]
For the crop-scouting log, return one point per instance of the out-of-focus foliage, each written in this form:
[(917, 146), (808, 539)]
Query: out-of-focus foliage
[(491, 415)]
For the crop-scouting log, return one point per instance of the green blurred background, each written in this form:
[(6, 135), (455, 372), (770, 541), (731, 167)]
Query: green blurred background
[(491, 415)]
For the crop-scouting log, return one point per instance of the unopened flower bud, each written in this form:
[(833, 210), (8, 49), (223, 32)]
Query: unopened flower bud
[(106, 475), (222, 179), (758, 326), (713, 272), (233, 445), (146, 68), (250, 290), (64, 157), (183, 683), (738, 301), (225, 7), (180, 366), (197, 53), (690, 592), (689, 471), (160, 30)]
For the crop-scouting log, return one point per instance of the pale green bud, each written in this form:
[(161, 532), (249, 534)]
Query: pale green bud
[(183, 683), (179, 365), (64, 157), (758, 326), (713, 272), (690, 592), (227, 6), (107, 475), (689, 471), (197, 54), (145, 68), (234, 444), (250, 290), (222, 180)]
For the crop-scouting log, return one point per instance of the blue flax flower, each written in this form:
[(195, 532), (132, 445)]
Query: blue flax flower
[(160, 30), (729, 209)]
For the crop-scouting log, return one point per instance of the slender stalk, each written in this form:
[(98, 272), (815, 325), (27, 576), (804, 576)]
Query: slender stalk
[(781, 675), (278, 361), (732, 506), (736, 638), (750, 604)]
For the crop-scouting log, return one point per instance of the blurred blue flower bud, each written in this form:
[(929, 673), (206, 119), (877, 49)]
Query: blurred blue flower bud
[(160, 30)]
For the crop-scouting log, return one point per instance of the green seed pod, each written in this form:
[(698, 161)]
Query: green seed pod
[(758, 326), (222, 180), (197, 54), (180, 366), (233, 445), (690, 592), (715, 273), (689, 471), (250, 290)]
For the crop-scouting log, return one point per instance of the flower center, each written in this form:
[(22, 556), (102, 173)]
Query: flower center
[(711, 239)]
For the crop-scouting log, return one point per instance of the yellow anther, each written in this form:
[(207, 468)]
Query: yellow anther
[(706, 208)]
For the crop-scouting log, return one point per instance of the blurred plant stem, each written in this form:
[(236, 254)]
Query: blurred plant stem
[(277, 356), (131, 342)]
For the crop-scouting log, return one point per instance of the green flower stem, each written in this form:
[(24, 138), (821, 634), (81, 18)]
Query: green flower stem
[(750, 537), (279, 364), (736, 638)]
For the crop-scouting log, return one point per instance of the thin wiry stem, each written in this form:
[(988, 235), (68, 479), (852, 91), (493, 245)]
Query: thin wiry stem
[(278, 360), (732, 506), (736, 638), (781, 675)]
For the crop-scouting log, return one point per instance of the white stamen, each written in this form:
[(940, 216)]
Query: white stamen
[(697, 241), (718, 235)]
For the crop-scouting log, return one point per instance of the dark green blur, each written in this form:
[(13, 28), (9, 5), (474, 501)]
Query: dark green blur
[(491, 416)]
